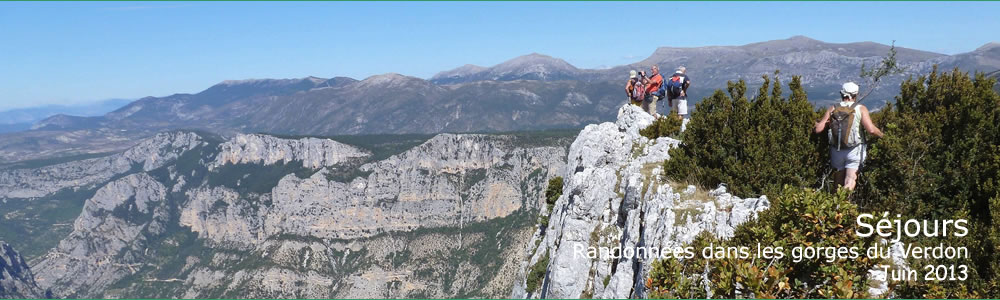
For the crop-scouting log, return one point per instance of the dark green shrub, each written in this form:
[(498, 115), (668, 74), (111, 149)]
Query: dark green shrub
[(669, 126), (554, 190), (537, 273), (940, 160), (552, 193), (798, 217), (755, 146)]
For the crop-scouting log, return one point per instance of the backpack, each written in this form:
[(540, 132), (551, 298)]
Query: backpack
[(842, 132), (674, 86), (638, 91)]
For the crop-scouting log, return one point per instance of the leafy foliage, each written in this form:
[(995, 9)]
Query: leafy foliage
[(754, 145), (537, 273), (669, 126), (887, 66), (798, 218), (552, 193), (940, 160)]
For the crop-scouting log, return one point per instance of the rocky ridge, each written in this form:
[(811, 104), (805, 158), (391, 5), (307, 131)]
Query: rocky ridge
[(614, 196), (262, 216), (147, 155), (267, 150)]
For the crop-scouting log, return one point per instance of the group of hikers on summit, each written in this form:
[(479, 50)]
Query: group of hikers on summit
[(842, 121), (645, 91)]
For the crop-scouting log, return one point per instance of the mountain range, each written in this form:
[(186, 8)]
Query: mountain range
[(22, 118), (530, 92)]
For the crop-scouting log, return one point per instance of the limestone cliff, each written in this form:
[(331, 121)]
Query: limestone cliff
[(614, 196), (185, 215)]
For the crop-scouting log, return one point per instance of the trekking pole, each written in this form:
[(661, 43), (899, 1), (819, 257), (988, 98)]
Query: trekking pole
[(822, 180)]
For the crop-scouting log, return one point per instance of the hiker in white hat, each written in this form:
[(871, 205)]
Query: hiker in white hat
[(847, 146), (634, 95)]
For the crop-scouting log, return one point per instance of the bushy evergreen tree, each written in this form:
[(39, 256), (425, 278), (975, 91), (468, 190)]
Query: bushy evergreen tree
[(754, 145), (940, 160)]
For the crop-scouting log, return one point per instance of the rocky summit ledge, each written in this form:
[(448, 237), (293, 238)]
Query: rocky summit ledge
[(615, 195)]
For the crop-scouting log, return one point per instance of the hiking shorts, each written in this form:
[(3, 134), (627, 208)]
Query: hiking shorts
[(680, 105), (847, 158)]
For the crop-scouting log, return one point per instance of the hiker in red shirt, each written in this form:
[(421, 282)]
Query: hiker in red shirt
[(655, 80)]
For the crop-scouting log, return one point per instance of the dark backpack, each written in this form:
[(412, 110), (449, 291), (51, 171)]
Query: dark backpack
[(841, 122), (674, 86)]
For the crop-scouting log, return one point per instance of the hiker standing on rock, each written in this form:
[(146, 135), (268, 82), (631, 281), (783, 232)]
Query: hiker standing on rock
[(847, 146), (635, 89), (651, 88), (676, 91)]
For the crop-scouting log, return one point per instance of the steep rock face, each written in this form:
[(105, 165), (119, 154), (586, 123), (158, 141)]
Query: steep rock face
[(267, 150), (150, 154), (614, 196), (16, 279), (449, 180), (219, 214), (107, 239), (261, 216)]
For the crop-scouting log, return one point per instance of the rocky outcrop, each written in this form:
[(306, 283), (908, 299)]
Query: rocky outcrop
[(220, 214), (16, 279), (267, 150), (449, 180), (334, 223), (614, 196), (147, 155), (107, 242)]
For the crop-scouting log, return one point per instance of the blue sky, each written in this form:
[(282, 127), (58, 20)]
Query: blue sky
[(66, 53)]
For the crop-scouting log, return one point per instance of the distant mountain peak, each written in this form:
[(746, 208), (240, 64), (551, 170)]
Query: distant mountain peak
[(464, 70), (393, 80), (387, 77), (471, 67), (313, 79), (988, 46), (316, 80), (532, 66), (241, 81), (802, 38), (536, 55), (535, 59)]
